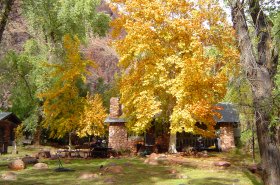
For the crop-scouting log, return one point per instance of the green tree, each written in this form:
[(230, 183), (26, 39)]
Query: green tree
[(54, 19)]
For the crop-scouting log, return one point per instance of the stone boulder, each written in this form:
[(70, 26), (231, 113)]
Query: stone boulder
[(151, 161), (44, 154), (109, 180), (114, 169), (222, 164), (155, 159), (17, 164), (41, 166), (255, 168), (29, 160), (88, 175), (9, 176)]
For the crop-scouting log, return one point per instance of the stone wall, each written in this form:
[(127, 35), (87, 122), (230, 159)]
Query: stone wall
[(133, 142), (227, 136), (117, 136)]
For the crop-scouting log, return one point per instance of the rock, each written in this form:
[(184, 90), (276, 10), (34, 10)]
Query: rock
[(9, 176), (29, 160), (222, 164), (153, 156), (109, 181), (54, 157), (16, 165), (181, 176), (88, 175), (114, 169), (151, 161), (172, 171), (162, 156), (253, 168), (41, 166), (44, 154)]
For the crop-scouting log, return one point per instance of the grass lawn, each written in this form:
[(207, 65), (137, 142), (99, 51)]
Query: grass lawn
[(197, 171)]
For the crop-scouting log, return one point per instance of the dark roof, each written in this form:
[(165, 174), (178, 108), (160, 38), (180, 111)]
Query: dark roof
[(9, 116), (115, 120), (229, 113)]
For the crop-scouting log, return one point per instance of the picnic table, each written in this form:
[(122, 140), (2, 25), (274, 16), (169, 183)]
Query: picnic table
[(74, 152)]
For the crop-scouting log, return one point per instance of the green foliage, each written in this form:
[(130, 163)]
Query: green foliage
[(16, 69), (27, 76), (57, 18), (107, 90), (275, 112)]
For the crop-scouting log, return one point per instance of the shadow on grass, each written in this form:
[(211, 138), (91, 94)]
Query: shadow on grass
[(252, 178), (213, 180), (134, 172)]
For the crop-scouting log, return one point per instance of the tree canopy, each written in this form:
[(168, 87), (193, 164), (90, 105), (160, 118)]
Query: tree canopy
[(176, 57)]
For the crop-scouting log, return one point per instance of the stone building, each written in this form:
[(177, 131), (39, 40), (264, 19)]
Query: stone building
[(8, 122), (227, 128), (118, 136), (117, 130)]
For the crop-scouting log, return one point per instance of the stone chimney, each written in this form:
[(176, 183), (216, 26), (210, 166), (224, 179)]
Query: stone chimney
[(115, 108), (117, 130)]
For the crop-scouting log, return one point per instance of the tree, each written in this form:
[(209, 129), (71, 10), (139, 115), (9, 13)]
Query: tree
[(65, 110), (54, 19), (62, 105), (92, 119), (260, 62), (176, 57)]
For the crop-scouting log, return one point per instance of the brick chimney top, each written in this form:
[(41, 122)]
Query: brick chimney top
[(115, 107)]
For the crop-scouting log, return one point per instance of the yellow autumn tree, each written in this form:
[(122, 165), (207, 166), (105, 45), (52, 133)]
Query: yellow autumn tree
[(65, 110), (92, 120), (176, 57)]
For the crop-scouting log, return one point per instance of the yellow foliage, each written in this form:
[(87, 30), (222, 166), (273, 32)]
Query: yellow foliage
[(19, 132), (177, 57), (92, 121), (64, 109)]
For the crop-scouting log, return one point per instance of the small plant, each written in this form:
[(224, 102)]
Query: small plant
[(19, 134)]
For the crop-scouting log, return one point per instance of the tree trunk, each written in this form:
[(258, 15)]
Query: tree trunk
[(37, 136), (253, 143), (261, 69), (269, 150), (70, 141), (172, 144), (7, 5)]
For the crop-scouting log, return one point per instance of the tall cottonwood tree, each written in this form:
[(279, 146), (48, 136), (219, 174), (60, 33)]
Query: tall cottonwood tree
[(175, 58), (65, 110), (260, 62)]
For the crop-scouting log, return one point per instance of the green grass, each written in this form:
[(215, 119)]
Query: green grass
[(199, 171)]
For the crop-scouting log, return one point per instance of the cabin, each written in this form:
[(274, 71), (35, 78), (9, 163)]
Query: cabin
[(8, 122), (227, 132), (227, 129)]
